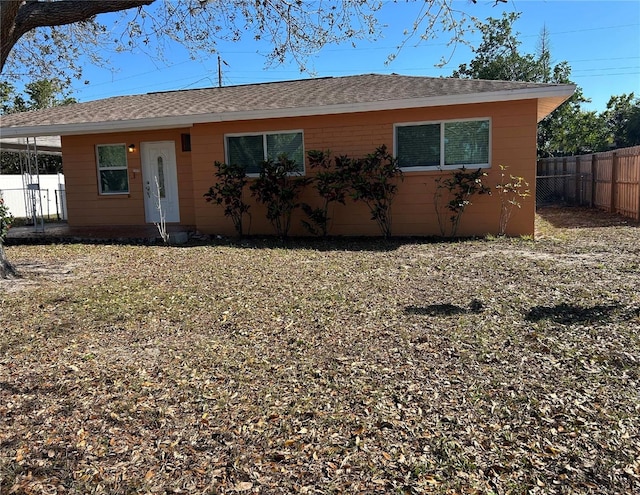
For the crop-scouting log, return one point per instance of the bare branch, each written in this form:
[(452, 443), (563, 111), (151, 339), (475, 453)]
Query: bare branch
[(68, 30), (18, 18)]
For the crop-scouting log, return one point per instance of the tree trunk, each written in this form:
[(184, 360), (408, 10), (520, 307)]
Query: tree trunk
[(6, 269), (18, 17)]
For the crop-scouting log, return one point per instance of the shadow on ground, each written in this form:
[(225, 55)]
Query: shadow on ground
[(445, 309), (61, 233), (568, 314), (563, 313), (576, 217)]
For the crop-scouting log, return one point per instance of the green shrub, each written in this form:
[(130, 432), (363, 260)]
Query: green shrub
[(228, 191), (331, 186), (6, 219), (373, 180), (278, 188), (459, 188)]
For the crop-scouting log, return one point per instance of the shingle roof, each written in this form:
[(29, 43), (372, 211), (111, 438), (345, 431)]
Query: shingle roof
[(264, 100)]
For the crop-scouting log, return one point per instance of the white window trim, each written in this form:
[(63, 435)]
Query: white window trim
[(264, 135), (442, 166), (98, 168)]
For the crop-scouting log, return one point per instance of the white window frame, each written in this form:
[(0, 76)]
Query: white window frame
[(264, 135), (442, 123), (99, 169)]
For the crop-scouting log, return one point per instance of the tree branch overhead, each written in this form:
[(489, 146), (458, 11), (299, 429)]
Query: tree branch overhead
[(18, 17)]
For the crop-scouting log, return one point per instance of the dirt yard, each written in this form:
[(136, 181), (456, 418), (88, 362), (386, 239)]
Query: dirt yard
[(489, 366)]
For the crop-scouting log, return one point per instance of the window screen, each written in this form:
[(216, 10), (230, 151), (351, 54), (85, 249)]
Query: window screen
[(466, 143), (447, 144), (113, 177), (251, 150), (247, 151), (289, 144), (418, 145)]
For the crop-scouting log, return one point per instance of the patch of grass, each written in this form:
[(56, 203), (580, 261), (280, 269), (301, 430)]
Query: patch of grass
[(336, 366)]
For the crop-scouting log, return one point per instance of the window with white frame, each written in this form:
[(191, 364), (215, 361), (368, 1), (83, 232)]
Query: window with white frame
[(446, 145), (113, 176), (249, 150)]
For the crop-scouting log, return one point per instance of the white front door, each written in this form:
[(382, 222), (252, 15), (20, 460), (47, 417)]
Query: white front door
[(160, 181)]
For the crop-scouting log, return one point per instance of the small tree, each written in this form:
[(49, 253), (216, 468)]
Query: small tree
[(511, 192), (331, 187), (460, 186), (161, 224), (278, 188), (6, 219), (374, 180), (228, 191)]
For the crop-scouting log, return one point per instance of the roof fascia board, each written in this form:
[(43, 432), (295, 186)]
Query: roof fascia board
[(42, 150), (183, 121), (97, 127)]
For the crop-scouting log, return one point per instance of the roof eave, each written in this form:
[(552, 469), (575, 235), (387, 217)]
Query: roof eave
[(551, 94)]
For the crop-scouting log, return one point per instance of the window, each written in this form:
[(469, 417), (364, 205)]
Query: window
[(252, 149), (448, 145), (160, 178), (113, 177)]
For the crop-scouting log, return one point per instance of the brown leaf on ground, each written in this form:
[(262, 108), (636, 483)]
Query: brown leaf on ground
[(322, 367)]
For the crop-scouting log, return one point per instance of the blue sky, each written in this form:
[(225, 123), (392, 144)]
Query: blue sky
[(599, 39)]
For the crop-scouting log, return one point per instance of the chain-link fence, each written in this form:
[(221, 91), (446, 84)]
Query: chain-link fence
[(562, 189), (609, 180)]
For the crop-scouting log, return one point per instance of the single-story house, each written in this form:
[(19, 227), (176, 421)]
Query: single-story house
[(114, 147)]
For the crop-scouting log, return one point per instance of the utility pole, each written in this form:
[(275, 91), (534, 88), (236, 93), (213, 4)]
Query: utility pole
[(220, 61)]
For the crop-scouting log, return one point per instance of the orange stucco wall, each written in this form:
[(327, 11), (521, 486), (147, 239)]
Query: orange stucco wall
[(86, 207), (513, 139)]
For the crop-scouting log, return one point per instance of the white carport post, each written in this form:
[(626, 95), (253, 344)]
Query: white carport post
[(30, 172)]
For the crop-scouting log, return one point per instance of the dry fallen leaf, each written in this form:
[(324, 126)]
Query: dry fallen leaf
[(243, 486), (341, 366)]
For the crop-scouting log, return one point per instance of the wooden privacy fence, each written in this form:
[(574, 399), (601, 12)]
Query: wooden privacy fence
[(608, 180)]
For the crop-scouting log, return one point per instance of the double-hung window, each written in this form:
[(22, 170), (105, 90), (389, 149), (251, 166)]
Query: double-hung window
[(444, 145), (249, 150), (113, 176)]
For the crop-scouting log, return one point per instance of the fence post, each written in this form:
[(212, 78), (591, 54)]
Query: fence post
[(614, 179), (564, 179), (593, 179), (638, 176), (578, 182)]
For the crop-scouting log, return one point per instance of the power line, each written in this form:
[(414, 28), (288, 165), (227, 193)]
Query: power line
[(369, 49), (293, 71), (239, 79)]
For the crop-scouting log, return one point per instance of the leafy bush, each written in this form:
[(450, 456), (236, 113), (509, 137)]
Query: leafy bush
[(373, 179), (460, 187), (331, 186), (278, 188), (228, 191), (6, 219)]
